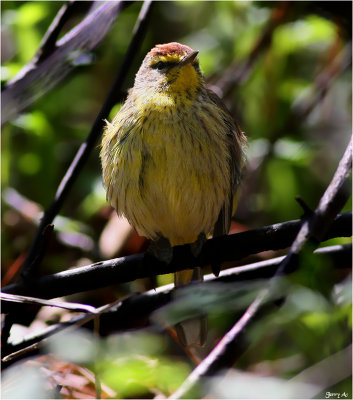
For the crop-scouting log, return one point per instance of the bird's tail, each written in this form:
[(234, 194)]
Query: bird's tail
[(193, 331)]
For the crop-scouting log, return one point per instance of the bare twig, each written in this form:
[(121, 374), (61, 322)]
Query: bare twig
[(48, 44), (86, 148), (307, 210), (126, 269), (322, 83), (312, 229), (240, 71), (13, 298), (35, 78), (142, 305), (81, 38), (332, 201), (43, 241), (299, 111), (73, 325)]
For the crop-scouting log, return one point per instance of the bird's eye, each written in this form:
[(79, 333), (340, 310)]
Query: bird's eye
[(160, 65), (164, 64)]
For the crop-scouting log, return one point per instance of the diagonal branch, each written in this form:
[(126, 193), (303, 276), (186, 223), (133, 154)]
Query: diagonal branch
[(239, 72), (86, 148), (91, 314), (48, 44), (37, 78), (312, 230), (66, 305), (321, 85)]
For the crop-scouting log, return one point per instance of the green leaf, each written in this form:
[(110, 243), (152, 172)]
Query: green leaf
[(31, 13), (302, 33)]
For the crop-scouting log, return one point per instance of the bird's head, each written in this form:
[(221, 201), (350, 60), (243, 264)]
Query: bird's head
[(171, 67)]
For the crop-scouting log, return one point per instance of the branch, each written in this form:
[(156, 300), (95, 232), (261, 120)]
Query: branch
[(93, 313), (12, 298), (238, 72), (332, 201), (321, 84), (301, 109), (48, 44), (313, 231), (90, 142), (126, 269), (37, 78), (141, 306)]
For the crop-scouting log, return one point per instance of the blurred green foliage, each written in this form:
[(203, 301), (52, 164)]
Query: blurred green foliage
[(287, 156), (138, 366)]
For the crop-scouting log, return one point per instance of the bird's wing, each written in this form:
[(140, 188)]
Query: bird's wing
[(236, 144)]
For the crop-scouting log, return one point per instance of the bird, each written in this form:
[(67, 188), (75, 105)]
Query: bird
[(172, 160)]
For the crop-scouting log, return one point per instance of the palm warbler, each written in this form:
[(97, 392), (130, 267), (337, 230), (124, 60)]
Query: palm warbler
[(172, 159)]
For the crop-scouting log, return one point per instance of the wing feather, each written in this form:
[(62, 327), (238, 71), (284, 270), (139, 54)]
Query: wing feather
[(236, 145)]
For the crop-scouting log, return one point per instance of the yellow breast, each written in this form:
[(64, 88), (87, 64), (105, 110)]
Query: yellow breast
[(166, 166)]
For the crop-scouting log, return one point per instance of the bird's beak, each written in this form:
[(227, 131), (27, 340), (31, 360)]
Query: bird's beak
[(188, 59)]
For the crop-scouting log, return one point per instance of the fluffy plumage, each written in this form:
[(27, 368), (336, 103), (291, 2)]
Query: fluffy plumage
[(172, 156)]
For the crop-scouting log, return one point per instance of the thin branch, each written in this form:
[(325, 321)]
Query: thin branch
[(238, 72), (48, 44), (73, 324), (322, 83), (12, 298), (300, 110), (141, 306), (332, 201), (307, 210), (126, 269), (312, 230), (89, 144), (36, 79)]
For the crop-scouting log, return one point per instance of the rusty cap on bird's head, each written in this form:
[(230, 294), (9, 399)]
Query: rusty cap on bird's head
[(184, 53), (163, 64), (170, 48)]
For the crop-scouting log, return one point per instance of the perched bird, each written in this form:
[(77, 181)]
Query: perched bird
[(172, 159)]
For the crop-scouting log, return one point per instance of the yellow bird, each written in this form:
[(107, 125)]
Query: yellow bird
[(172, 159)]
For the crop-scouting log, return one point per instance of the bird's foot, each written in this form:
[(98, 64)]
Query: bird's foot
[(196, 247), (161, 249)]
